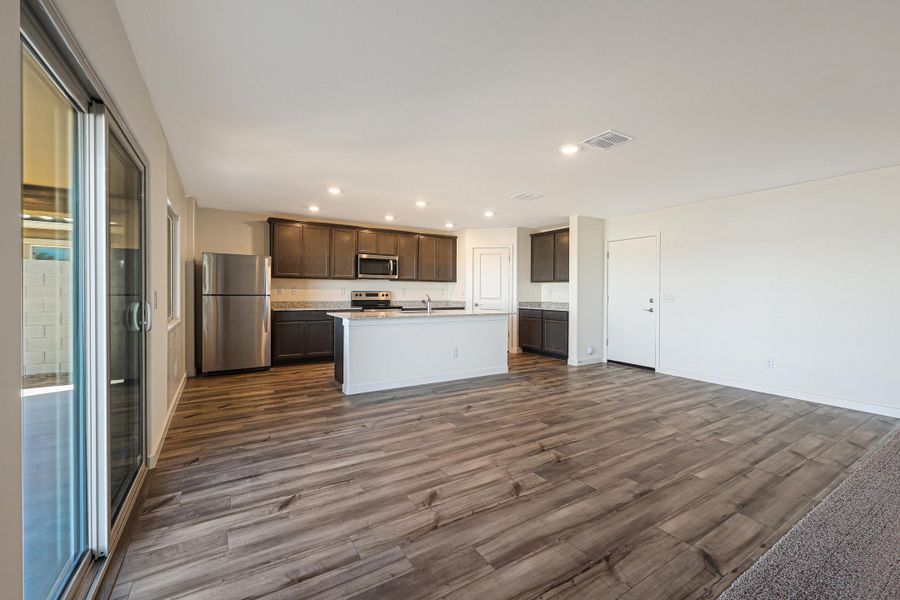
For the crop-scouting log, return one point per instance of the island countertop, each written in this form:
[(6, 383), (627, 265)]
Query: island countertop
[(396, 314)]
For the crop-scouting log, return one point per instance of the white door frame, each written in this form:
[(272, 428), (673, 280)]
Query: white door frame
[(658, 236), (513, 337)]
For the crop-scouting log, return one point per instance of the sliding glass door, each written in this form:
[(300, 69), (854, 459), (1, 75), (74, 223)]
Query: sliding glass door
[(128, 319), (53, 399), (84, 320)]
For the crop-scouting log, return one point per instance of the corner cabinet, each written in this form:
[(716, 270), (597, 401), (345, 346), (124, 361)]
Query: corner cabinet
[(550, 256), (544, 331), (307, 250)]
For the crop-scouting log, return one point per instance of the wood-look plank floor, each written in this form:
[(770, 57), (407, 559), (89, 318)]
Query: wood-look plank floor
[(551, 482)]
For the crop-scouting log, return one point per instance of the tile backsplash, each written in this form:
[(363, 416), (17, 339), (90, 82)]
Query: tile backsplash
[(287, 290)]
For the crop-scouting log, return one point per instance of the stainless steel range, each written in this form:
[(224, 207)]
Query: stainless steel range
[(373, 301)]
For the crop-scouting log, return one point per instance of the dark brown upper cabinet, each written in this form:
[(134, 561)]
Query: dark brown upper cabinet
[(377, 242), (343, 253), (329, 251), (427, 254), (550, 256), (285, 248), (315, 251), (445, 259), (561, 255), (408, 256), (437, 258)]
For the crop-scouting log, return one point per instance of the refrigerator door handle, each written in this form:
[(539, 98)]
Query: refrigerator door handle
[(268, 316)]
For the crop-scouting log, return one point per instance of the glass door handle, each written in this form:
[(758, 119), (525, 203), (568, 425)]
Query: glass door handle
[(147, 316), (134, 321)]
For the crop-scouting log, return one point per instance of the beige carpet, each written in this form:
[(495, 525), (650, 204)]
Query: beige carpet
[(848, 547)]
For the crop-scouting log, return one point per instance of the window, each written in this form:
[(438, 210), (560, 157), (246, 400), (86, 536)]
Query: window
[(174, 263)]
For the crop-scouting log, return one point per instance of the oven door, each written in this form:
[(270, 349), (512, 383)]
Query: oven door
[(376, 266)]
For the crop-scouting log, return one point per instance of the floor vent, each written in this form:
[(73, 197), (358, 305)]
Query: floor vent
[(607, 139), (526, 196)]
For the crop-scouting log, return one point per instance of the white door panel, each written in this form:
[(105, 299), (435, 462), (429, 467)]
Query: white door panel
[(491, 279), (633, 303)]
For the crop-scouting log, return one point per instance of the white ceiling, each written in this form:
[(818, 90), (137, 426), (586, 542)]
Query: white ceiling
[(464, 103)]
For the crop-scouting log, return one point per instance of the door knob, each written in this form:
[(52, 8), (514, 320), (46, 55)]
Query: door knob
[(649, 309)]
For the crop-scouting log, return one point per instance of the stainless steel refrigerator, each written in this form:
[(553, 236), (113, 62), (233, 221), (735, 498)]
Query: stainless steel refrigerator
[(235, 307)]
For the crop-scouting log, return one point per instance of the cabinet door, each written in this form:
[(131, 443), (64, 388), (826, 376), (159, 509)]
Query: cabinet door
[(319, 338), (445, 259), (408, 256), (530, 333), (427, 255), (556, 337), (387, 244), (542, 259), (285, 248), (561, 256), (289, 340), (315, 251), (367, 242), (343, 253)]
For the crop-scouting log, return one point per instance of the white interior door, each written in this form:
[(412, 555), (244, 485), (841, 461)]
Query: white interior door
[(633, 304), (491, 279), (491, 283)]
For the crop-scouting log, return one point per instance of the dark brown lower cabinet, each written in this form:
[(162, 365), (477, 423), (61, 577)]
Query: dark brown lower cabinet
[(301, 335), (544, 331)]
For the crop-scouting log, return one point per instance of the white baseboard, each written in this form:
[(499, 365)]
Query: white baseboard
[(377, 386), (585, 361), (151, 460), (876, 409)]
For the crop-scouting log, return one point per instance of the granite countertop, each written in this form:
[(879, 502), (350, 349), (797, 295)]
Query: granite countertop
[(312, 305), (396, 314), (545, 305), (344, 305)]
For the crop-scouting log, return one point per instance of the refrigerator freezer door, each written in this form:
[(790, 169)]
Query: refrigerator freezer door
[(236, 333), (236, 274)]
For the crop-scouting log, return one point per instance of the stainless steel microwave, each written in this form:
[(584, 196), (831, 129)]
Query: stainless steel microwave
[(376, 266)]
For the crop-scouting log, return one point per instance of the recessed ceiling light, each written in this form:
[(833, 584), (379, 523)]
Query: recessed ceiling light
[(26, 216), (448, 225), (421, 203), (569, 149), (314, 208), (489, 213), (334, 191), (45, 218), (67, 219), (388, 217)]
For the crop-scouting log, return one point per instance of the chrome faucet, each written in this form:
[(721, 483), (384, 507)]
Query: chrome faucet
[(427, 303)]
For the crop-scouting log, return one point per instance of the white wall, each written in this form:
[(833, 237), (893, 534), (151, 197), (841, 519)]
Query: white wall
[(587, 252), (10, 300), (807, 274)]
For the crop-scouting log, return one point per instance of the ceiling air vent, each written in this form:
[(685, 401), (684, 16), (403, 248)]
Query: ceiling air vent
[(526, 196), (607, 139)]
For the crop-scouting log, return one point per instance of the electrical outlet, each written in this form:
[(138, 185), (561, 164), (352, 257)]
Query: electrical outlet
[(454, 353), (770, 363), (669, 298)]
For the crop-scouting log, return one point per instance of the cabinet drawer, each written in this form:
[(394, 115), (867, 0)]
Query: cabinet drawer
[(530, 313), (556, 315), (282, 316)]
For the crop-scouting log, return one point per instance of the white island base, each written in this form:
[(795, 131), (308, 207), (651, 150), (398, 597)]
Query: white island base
[(387, 350)]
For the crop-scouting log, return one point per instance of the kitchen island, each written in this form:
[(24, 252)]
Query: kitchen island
[(386, 350)]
